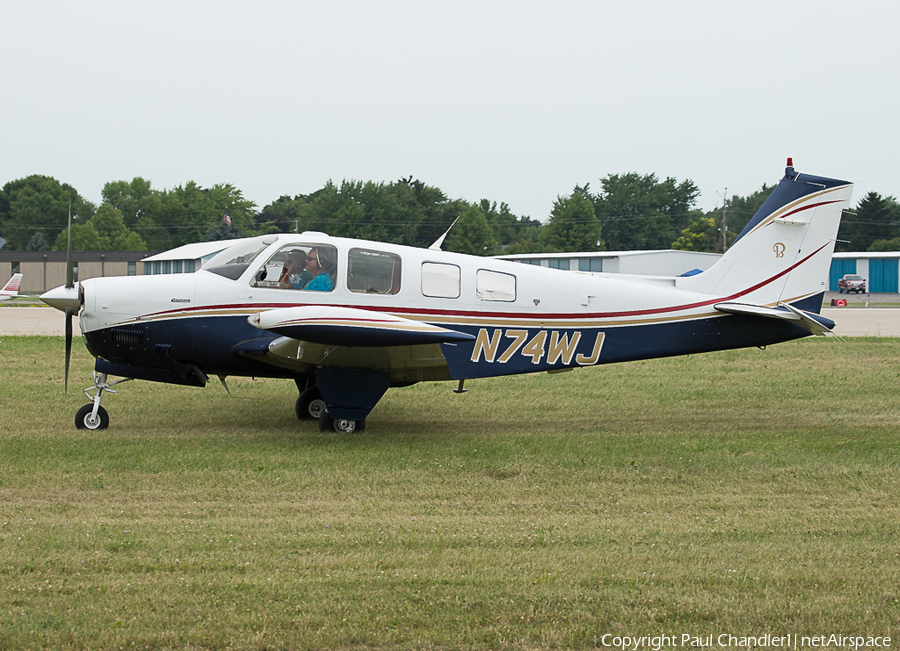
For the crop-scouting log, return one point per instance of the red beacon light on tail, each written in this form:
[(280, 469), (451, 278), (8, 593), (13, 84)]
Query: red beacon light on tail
[(789, 169)]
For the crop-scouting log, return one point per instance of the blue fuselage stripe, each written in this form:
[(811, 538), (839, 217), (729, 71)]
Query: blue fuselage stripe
[(212, 343)]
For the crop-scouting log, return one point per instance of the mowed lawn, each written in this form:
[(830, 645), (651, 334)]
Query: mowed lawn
[(741, 492)]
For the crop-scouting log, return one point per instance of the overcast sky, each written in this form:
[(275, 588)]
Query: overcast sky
[(510, 101)]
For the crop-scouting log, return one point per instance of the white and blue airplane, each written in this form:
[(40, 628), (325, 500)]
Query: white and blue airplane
[(11, 288), (347, 319)]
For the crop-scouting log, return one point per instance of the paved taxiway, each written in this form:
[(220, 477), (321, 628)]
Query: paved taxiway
[(851, 321)]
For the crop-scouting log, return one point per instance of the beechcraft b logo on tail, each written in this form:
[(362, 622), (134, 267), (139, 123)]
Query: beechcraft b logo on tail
[(779, 250)]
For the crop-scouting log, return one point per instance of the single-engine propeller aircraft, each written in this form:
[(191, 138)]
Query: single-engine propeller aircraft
[(347, 319), (11, 288)]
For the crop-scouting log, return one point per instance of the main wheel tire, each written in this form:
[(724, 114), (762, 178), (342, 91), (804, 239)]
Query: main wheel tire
[(310, 405), (340, 425), (83, 418)]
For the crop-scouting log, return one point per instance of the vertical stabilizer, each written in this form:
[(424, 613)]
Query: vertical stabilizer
[(11, 288), (783, 255)]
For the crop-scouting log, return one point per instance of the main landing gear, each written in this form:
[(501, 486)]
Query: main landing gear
[(340, 425), (311, 406), (92, 415)]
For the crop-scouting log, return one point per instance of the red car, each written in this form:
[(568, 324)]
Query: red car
[(852, 283)]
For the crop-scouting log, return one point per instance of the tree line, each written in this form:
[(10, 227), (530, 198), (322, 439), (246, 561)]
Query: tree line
[(627, 212)]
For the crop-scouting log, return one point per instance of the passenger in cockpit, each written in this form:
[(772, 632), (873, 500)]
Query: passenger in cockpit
[(320, 265)]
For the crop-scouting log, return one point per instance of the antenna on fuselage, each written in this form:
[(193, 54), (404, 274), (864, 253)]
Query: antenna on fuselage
[(439, 241)]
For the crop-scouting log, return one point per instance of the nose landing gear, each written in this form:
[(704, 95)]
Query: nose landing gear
[(92, 415)]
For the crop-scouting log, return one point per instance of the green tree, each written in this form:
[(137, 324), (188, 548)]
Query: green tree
[(135, 199), (38, 242), (189, 212), (404, 212), (223, 231), (892, 244), (104, 231), (472, 234), (573, 226), (110, 225), (156, 236), (640, 212), (84, 238), (700, 235), (38, 203), (876, 218)]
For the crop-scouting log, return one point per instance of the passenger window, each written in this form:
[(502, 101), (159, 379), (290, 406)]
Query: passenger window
[(495, 286), (440, 280), (373, 272), (311, 267)]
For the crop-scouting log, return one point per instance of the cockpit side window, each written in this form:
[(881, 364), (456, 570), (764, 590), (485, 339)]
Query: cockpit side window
[(310, 267), (373, 272)]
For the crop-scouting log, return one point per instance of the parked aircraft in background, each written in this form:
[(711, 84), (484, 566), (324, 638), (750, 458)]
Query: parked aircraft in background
[(388, 316), (11, 288)]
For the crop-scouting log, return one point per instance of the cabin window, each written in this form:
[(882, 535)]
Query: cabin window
[(373, 272), (495, 286), (310, 267), (440, 280)]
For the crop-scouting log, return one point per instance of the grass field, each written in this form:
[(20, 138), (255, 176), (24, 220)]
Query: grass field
[(743, 492)]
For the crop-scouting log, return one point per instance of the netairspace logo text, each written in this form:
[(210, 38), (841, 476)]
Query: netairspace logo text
[(726, 640)]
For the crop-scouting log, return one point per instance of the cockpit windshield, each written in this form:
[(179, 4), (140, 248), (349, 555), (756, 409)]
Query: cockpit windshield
[(233, 261)]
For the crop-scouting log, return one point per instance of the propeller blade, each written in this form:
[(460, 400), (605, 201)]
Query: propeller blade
[(69, 315), (70, 263)]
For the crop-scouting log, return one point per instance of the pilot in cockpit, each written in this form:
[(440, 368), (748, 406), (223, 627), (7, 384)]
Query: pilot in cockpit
[(293, 273)]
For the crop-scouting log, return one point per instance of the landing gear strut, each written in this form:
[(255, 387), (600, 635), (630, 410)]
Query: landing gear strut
[(92, 415)]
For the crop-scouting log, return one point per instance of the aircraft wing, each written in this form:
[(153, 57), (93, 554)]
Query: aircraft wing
[(347, 326), (817, 325), (312, 337)]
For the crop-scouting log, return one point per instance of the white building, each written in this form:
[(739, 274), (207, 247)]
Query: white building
[(185, 259), (669, 262)]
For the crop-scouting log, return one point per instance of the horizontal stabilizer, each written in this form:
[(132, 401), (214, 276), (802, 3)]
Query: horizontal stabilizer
[(347, 326), (818, 325)]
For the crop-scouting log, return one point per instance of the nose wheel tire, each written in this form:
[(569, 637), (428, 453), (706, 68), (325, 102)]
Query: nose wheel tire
[(310, 405), (83, 419)]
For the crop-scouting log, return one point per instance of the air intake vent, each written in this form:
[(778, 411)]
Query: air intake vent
[(127, 336), (163, 350)]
